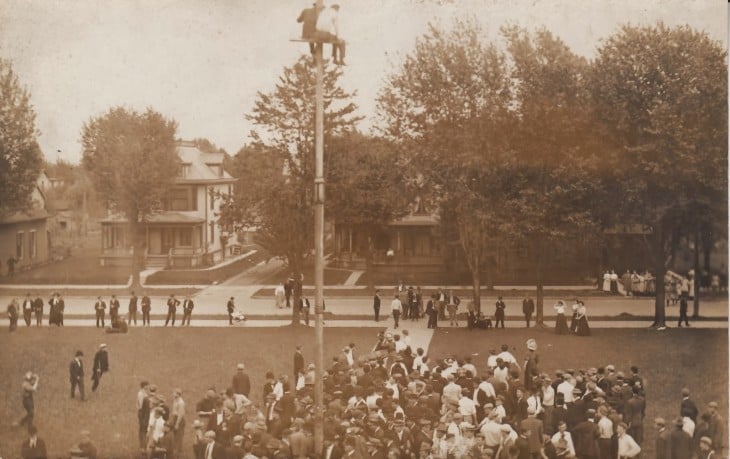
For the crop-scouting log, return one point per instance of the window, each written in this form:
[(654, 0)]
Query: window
[(32, 250), (63, 225), (212, 201), (193, 198), (184, 170), (186, 237), (212, 232), (216, 168), (179, 198), (19, 240)]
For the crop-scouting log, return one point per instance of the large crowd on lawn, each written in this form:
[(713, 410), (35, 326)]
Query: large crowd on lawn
[(395, 403)]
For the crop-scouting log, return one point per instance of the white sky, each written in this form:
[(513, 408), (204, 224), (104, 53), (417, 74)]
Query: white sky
[(201, 62)]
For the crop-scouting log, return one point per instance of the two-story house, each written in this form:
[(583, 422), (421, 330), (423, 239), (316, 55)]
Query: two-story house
[(24, 235), (185, 232)]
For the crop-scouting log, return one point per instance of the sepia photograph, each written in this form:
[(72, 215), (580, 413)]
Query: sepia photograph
[(349, 229)]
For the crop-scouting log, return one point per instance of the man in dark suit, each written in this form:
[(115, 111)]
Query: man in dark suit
[(113, 308), (132, 313), (76, 375), (100, 309), (683, 311), (376, 305), (57, 305), (101, 366), (38, 308), (298, 362), (188, 306), (585, 437), (528, 308), (27, 308), (172, 304), (241, 382), (146, 307), (286, 406), (213, 449), (688, 407), (231, 307), (680, 443), (634, 410), (661, 450), (499, 313), (33, 447), (534, 426)]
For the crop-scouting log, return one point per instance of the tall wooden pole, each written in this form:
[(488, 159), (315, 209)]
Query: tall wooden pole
[(319, 248)]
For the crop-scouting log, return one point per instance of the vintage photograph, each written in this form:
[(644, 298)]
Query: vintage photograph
[(349, 229)]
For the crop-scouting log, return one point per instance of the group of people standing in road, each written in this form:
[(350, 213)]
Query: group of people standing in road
[(408, 303), (34, 307)]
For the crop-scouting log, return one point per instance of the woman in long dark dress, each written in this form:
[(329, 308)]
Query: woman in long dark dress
[(583, 329), (561, 323), (573, 319)]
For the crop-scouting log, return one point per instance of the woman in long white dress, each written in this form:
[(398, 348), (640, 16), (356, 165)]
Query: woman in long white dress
[(607, 282)]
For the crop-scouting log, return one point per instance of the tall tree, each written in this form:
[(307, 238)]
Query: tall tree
[(284, 119), (447, 104), (133, 164), (554, 186), (661, 93), (20, 156), (367, 187)]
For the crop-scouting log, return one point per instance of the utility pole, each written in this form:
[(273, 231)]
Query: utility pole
[(319, 247)]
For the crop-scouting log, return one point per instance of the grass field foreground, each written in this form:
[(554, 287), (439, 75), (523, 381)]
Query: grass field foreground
[(192, 359)]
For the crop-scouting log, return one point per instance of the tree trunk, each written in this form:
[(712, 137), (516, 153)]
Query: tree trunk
[(489, 274), (137, 252), (369, 265), (698, 276), (476, 280), (539, 308), (660, 270)]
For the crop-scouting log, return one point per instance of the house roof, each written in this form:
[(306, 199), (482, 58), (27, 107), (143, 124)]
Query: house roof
[(158, 218), (17, 217), (416, 220), (198, 169)]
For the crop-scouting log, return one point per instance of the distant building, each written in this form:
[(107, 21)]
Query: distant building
[(24, 235), (185, 233)]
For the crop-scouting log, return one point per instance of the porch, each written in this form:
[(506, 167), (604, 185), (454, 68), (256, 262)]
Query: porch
[(167, 244)]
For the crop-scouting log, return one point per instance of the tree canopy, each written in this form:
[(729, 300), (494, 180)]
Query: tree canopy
[(133, 164), (20, 157), (661, 94)]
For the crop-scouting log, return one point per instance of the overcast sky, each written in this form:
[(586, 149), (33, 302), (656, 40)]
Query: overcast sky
[(201, 62)]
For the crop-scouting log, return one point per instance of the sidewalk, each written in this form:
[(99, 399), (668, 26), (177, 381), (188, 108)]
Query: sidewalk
[(212, 302)]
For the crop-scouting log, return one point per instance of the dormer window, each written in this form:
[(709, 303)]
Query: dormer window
[(216, 168), (184, 170)]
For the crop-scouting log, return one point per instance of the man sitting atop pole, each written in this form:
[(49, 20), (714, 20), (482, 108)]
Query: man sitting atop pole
[(328, 32)]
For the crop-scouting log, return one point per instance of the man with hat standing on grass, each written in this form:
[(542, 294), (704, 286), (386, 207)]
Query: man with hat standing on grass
[(706, 451), (76, 375), (101, 366), (241, 382), (30, 385), (688, 408), (680, 442), (661, 448), (717, 428)]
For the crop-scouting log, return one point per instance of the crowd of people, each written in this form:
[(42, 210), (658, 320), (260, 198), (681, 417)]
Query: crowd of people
[(31, 308), (393, 402)]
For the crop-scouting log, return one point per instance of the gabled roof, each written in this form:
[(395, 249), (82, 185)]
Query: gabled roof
[(198, 170), (17, 217)]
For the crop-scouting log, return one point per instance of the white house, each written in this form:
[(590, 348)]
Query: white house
[(185, 233)]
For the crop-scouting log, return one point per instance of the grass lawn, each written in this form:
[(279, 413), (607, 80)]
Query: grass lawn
[(668, 361), (80, 268), (206, 276), (331, 276), (192, 359)]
